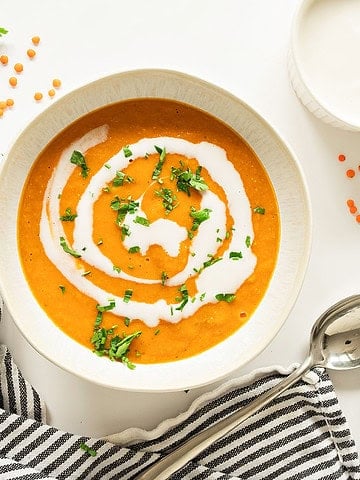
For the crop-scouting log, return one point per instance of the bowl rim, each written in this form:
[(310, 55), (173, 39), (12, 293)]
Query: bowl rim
[(207, 357), (325, 112)]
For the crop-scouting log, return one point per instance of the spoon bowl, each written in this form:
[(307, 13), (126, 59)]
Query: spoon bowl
[(336, 336), (334, 344)]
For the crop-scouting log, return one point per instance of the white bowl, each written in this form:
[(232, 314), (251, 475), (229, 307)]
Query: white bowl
[(324, 61), (292, 196)]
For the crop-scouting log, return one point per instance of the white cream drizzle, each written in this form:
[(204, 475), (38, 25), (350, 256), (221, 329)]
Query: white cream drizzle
[(224, 276)]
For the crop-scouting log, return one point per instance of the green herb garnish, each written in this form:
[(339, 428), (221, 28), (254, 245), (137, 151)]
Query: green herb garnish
[(121, 178), (116, 269), (199, 216), (164, 277), (127, 151), (184, 297), (142, 221), (106, 344), (225, 297), (260, 210), (127, 321), (125, 231), (123, 206), (3, 31), (186, 179), (235, 255), (156, 173), (168, 199), (134, 249), (248, 241), (68, 216), (67, 249), (127, 295), (88, 450), (77, 158), (62, 288)]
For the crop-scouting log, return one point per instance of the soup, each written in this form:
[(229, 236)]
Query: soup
[(148, 231)]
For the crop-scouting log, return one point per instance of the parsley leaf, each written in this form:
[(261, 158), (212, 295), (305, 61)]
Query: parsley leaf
[(186, 179), (184, 297), (77, 158), (127, 151), (123, 206), (67, 249), (88, 450), (142, 221), (260, 210), (225, 297), (199, 216), (121, 178), (68, 216), (168, 199), (158, 167), (3, 31)]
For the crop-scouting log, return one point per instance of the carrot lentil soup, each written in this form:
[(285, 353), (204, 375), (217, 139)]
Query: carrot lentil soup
[(148, 231)]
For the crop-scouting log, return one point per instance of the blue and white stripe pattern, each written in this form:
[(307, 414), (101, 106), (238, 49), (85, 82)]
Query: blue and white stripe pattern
[(301, 435)]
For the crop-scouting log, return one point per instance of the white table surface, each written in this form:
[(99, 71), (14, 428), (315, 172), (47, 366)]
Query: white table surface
[(240, 45)]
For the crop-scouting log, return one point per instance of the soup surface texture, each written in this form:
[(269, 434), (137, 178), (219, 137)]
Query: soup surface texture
[(148, 216)]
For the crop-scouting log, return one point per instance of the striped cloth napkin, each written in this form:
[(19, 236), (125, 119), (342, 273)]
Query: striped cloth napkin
[(301, 435)]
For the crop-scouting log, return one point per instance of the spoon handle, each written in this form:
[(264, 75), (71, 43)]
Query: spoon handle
[(163, 468)]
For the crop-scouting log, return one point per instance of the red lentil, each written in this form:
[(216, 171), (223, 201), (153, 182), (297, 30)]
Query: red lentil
[(31, 53), (350, 173), (341, 157), (35, 40), (56, 83), (4, 59), (13, 81), (18, 67)]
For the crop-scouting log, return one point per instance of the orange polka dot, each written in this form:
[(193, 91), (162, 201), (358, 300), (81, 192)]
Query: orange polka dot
[(341, 157), (350, 173)]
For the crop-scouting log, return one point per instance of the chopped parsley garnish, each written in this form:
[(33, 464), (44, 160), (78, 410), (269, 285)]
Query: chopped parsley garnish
[(142, 221), (211, 261), (186, 179), (168, 199), (184, 297), (3, 31), (88, 450), (123, 206), (225, 297), (105, 308), (134, 249), (248, 241), (68, 216), (235, 255), (199, 216), (260, 210), (127, 295), (121, 178), (107, 344), (127, 321), (157, 332), (116, 269), (62, 288), (127, 151), (164, 277), (77, 158), (158, 167), (125, 231), (67, 249)]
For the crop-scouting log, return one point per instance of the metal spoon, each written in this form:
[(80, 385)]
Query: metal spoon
[(335, 344)]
